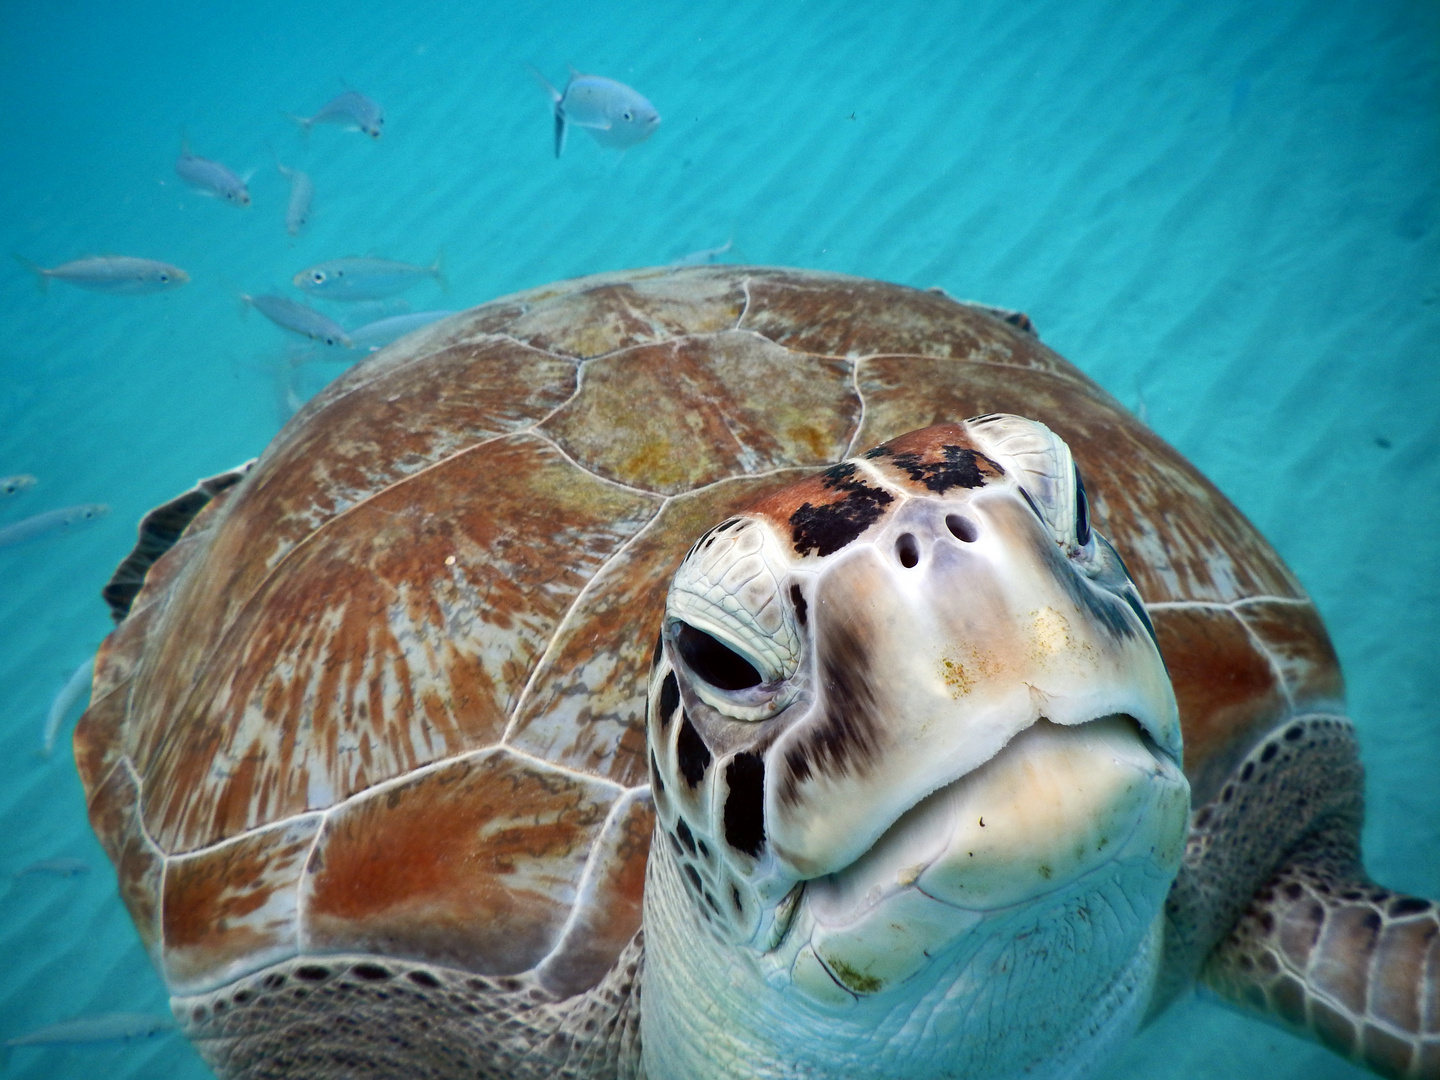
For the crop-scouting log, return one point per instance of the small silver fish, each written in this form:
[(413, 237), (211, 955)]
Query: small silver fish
[(76, 687), (118, 275), (351, 110), (617, 116), (52, 521), (66, 868), (703, 257), (210, 177), (299, 319), (364, 278), (382, 332), (13, 485), (302, 193), (106, 1027)]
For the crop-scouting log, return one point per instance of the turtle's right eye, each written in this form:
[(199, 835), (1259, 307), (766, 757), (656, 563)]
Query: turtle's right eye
[(712, 660)]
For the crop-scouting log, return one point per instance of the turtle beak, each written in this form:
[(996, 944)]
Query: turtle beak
[(932, 653)]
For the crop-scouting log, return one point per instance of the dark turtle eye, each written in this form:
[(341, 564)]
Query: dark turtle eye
[(712, 660), (1082, 511)]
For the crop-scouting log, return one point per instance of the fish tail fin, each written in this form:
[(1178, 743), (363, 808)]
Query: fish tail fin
[(559, 130), (42, 277), (304, 121), (437, 269), (555, 95)]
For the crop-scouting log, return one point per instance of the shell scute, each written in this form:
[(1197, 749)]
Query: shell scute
[(836, 315), (601, 314), (1228, 692), (139, 865), (471, 864), (734, 403), (399, 634), (1294, 638), (608, 906), (232, 908), (586, 709)]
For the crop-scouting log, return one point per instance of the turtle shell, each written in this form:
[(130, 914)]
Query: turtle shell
[(385, 695)]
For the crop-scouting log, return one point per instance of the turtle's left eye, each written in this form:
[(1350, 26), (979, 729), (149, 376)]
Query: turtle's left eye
[(714, 661), (1082, 511)]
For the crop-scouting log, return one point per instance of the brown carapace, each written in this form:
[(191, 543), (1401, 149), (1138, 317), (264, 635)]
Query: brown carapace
[(368, 747)]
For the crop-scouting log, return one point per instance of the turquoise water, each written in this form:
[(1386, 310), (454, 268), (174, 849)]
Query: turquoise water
[(1227, 213)]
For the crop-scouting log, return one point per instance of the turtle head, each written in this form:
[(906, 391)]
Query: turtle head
[(899, 701)]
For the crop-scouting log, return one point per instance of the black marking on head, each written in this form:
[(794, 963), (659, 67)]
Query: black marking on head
[(693, 754), (827, 529), (659, 649), (879, 451), (727, 524), (1082, 510), (694, 877), (1131, 597), (1031, 503), (745, 803), (961, 468), (669, 699), (686, 836), (847, 736), (798, 599), (655, 777), (737, 901)]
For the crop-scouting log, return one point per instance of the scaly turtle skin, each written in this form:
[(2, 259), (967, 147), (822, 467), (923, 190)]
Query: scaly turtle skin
[(369, 748)]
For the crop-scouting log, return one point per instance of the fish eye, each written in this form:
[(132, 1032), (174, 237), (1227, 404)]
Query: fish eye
[(318, 276), (627, 116), (164, 278)]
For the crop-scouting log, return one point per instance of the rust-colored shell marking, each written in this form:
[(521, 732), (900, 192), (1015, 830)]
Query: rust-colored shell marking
[(386, 693)]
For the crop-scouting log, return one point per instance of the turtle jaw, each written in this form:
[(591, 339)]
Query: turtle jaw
[(924, 673), (1062, 812)]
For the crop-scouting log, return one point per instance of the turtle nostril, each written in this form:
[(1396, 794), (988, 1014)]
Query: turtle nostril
[(962, 528), (908, 550)]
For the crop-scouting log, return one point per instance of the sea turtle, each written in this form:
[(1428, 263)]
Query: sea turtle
[(380, 741)]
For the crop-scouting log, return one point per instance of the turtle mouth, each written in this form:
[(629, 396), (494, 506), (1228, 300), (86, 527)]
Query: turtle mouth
[(1061, 816), (1054, 804)]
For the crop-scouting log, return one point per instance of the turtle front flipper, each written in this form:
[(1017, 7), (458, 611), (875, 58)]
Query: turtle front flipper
[(1327, 952)]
